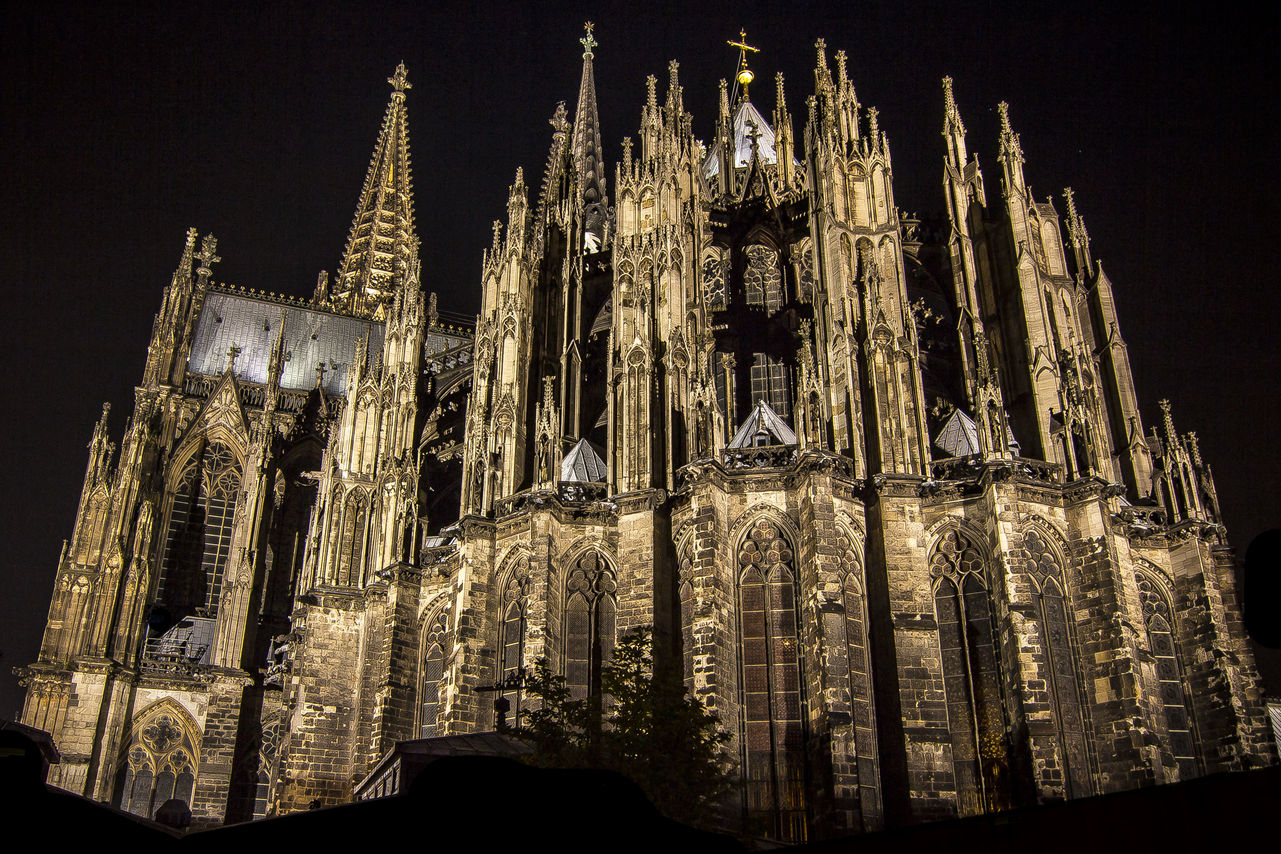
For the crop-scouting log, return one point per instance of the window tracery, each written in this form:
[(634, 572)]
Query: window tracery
[(774, 729), (762, 279), (160, 762), (1158, 621), (590, 617), (511, 630), (435, 646), (199, 535), (971, 675)]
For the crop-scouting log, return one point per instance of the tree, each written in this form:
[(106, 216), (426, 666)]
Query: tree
[(643, 726)]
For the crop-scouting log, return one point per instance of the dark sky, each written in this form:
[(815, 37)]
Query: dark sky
[(122, 125)]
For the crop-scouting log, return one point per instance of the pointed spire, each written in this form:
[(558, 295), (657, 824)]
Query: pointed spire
[(953, 128), (1077, 235), (182, 274), (364, 284), (589, 154), (1167, 422), (1011, 155)]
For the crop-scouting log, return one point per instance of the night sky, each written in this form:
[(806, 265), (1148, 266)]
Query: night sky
[(122, 125)]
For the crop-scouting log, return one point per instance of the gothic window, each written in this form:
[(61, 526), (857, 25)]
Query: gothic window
[(160, 761), (845, 627), (686, 594), (1159, 623), (1069, 719), (714, 282), (774, 729), (762, 280), (199, 535), (590, 616), (805, 271), (511, 630), (771, 383), (432, 670), (971, 676)]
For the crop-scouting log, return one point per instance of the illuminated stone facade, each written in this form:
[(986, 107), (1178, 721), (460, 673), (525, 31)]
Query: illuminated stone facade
[(879, 483)]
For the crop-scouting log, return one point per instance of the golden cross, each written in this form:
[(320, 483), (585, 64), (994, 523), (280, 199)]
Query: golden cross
[(743, 46), (744, 74)]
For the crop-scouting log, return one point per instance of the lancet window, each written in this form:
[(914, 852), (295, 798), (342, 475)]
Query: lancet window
[(773, 718), (1158, 620), (435, 647), (686, 593), (762, 280), (590, 623), (511, 631), (771, 383), (1069, 720), (971, 675), (160, 761), (845, 628), (199, 534)]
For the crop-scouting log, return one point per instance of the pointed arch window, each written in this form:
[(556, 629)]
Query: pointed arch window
[(714, 281), (435, 648), (160, 760), (1158, 620), (511, 631), (845, 627), (686, 595), (1065, 693), (199, 533), (762, 279), (590, 623), (773, 719), (971, 676)]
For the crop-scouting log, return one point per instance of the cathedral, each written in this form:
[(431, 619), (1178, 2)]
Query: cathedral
[(879, 483)]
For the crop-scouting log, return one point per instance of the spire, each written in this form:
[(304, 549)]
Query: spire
[(370, 268), (953, 127), (743, 75), (1077, 235), (589, 154), (1011, 155)]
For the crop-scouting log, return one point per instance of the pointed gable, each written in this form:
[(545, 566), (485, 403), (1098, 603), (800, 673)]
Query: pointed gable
[(763, 427), (582, 464)]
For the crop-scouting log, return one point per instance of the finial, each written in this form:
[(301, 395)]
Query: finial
[(873, 128), (673, 77), (320, 374), (400, 81), (754, 134), (743, 75), (651, 91), (724, 97), (1071, 202), (627, 154), (559, 120), (840, 65), (206, 255), (232, 352), (498, 233), (781, 102), (588, 41), (821, 47), (1194, 448), (1004, 110), (191, 238)]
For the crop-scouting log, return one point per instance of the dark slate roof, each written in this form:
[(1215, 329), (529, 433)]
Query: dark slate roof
[(582, 464), (959, 436), (763, 420), (311, 336)]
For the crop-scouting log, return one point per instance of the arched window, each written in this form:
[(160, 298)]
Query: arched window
[(762, 280), (714, 281), (1157, 618), (686, 594), (160, 760), (432, 670), (971, 676), (1069, 720), (845, 627), (773, 720), (199, 535), (590, 619), (511, 631)]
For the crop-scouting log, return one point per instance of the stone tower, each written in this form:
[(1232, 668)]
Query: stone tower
[(879, 483)]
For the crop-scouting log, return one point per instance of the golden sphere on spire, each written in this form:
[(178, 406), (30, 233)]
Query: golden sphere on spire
[(745, 76)]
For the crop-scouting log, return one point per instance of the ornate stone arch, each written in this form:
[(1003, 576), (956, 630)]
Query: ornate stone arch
[(1045, 565), (973, 685), (1160, 626), (590, 597), (161, 758), (435, 645), (771, 682)]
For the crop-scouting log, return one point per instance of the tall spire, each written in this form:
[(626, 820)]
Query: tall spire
[(371, 268), (589, 154), (953, 127), (1011, 155)]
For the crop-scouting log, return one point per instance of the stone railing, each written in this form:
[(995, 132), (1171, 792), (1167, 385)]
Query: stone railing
[(580, 492), (973, 467), (163, 657), (759, 457)]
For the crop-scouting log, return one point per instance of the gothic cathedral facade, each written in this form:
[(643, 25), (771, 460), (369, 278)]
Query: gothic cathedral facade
[(879, 484)]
